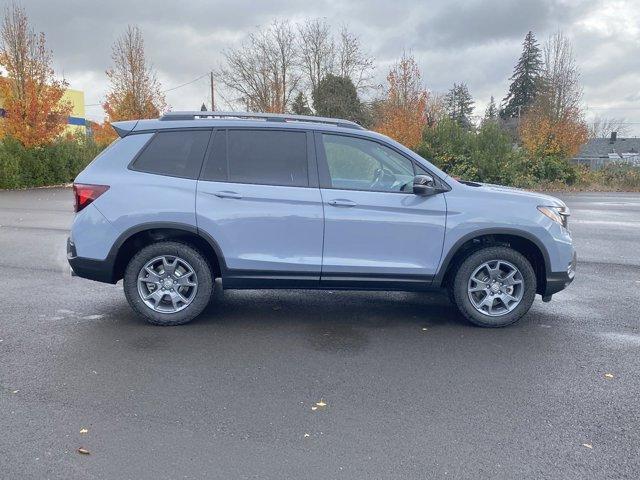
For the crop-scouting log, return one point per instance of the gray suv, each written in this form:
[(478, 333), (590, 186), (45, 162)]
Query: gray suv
[(279, 201)]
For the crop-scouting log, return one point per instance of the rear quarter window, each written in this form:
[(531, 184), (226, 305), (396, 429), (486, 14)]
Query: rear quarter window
[(263, 157), (176, 153)]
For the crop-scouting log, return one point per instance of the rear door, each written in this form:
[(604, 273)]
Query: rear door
[(378, 233), (258, 198)]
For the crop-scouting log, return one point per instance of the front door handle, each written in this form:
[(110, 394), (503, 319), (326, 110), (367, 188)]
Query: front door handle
[(227, 194), (342, 203)]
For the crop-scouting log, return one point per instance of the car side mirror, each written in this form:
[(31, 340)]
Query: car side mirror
[(424, 185)]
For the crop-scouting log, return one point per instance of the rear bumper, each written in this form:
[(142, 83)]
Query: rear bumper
[(98, 270), (557, 281)]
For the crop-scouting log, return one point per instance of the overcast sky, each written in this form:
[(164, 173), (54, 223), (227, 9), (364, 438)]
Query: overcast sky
[(476, 41)]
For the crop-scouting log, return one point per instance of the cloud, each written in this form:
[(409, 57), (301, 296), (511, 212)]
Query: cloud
[(474, 41)]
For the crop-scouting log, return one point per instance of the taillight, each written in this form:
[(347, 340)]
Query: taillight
[(85, 194)]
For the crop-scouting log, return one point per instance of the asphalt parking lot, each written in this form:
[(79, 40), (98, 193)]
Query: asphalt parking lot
[(411, 390)]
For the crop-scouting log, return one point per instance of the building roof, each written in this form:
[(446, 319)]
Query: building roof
[(602, 147)]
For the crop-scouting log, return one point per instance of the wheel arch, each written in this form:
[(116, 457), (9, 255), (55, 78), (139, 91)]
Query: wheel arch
[(521, 241), (135, 238)]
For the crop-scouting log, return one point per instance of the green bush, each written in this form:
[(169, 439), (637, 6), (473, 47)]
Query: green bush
[(53, 164), (488, 154)]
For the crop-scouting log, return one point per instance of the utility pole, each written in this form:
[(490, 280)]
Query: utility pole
[(213, 98)]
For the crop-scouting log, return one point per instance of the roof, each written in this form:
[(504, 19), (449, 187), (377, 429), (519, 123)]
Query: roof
[(602, 147), (173, 120)]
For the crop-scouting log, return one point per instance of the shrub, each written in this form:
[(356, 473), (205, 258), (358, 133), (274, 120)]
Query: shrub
[(56, 163), (614, 176), (487, 154)]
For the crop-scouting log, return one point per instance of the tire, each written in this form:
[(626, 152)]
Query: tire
[(195, 271), (483, 263)]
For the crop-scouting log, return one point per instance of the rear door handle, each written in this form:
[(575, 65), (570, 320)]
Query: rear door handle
[(227, 194), (342, 203)]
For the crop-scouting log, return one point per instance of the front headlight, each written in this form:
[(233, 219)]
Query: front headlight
[(557, 214)]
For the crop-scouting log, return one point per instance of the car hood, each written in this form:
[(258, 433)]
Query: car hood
[(539, 198)]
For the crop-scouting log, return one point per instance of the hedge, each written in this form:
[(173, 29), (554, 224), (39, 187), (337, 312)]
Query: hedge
[(54, 164)]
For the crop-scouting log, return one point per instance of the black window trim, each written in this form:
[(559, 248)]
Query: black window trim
[(131, 164), (312, 170), (323, 167)]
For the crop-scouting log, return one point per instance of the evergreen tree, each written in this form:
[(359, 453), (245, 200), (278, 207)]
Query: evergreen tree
[(526, 80), (491, 113), (300, 105), (337, 97), (459, 104)]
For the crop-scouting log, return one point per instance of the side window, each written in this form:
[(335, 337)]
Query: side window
[(268, 157), (360, 164), (178, 153)]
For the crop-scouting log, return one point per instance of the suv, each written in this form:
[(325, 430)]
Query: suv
[(278, 201)]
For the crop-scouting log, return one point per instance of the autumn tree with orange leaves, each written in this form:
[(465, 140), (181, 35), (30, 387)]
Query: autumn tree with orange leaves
[(403, 113), (135, 91), (32, 96)]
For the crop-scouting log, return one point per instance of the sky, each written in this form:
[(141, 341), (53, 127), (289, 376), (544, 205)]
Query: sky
[(474, 41)]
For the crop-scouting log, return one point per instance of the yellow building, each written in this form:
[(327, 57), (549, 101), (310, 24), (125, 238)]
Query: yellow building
[(76, 121)]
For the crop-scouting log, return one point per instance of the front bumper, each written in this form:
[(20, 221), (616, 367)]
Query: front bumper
[(557, 281)]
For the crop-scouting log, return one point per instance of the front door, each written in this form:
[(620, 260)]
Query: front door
[(377, 233), (256, 200)]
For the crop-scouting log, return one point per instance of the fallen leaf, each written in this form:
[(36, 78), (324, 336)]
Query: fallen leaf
[(321, 403), (608, 375), (84, 430), (83, 451), (587, 445)]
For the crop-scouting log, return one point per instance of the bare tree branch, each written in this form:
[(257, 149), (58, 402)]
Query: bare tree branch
[(602, 127), (262, 70), (353, 61), (317, 50)]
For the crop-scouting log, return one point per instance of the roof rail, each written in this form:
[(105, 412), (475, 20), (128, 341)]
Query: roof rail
[(269, 117)]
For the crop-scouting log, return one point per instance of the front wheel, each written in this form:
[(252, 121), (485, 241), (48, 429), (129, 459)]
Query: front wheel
[(494, 287), (168, 283)]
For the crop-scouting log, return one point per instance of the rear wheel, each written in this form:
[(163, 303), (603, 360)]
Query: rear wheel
[(494, 287), (168, 283)]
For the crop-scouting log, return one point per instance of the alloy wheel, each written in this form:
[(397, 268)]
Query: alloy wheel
[(167, 284), (495, 288)]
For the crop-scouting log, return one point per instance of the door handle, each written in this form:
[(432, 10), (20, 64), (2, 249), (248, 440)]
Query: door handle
[(227, 194), (342, 203)]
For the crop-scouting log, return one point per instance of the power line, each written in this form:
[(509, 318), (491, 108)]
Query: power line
[(185, 84), (163, 91)]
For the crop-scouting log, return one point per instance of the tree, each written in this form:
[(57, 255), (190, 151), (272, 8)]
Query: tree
[(526, 80), (102, 133), (543, 136), (134, 88), (459, 104), (317, 50), (262, 71), (402, 115), (32, 96), (562, 90), (353, 61), (321, 54), (491, 113), (300, 105), (337, 97), (602, 127), (554, 125)]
